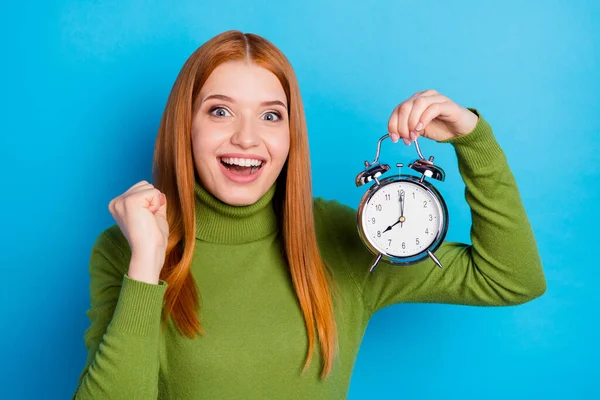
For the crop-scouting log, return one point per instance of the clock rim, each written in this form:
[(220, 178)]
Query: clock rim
[(435, 244)]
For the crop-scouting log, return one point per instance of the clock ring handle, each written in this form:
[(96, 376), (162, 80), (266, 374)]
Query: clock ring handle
[(419, 149), (381, 139)]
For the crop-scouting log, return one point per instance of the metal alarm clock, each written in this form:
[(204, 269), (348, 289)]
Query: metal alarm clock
[(402, 219)]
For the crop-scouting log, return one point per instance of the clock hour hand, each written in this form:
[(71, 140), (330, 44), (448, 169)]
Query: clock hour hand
[(391, 226)]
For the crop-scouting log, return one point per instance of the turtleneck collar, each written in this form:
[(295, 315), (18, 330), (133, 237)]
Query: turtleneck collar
[(219, 222)]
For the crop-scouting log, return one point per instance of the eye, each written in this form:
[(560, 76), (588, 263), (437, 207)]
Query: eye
[(273, 115), (220, 111)]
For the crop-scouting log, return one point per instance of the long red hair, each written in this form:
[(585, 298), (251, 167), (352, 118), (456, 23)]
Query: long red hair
[(174, 174)]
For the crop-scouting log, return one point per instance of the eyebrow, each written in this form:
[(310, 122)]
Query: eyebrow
[(227, 98)]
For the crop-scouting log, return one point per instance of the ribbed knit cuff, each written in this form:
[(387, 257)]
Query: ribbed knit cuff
[(479, 147), (139, 307)]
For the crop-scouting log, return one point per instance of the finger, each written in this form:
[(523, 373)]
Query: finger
[(397, 122), (163, 205), (162, 210), (433, 111), (139, 188), (140, 183), (158, 204), (402, 125), (133, 189), (394, 122), (414, 97), (420, 104), (427, 92), (154, 197), (393, 125), (430, 92), (148, 198)]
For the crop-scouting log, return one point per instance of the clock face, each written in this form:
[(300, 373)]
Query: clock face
[(402, 219)]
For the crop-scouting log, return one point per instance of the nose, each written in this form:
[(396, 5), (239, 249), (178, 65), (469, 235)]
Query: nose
[(245, 136)]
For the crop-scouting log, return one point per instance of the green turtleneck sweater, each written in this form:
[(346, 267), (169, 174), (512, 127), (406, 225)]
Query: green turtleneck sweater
[(255, 342)]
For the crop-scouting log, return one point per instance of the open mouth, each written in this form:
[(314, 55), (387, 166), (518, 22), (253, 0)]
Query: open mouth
[(242, 166)]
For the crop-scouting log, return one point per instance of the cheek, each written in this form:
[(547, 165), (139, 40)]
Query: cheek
[(204, 145), (279, 147)]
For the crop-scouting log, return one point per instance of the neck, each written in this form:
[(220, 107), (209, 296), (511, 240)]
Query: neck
[(219, 222)]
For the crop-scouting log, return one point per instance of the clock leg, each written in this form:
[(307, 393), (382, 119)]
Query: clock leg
[(375, 263), (434, 258)]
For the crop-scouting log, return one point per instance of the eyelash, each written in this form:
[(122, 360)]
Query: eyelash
[(219, 107)]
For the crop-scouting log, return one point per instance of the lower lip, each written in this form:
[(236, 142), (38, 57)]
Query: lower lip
[(240, 178)]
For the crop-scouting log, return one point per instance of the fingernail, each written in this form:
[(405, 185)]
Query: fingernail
[(413, 135), (406, 141), (419, 126), (394, 137)]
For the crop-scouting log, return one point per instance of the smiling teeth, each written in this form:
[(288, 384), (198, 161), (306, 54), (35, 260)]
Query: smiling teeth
[(242, 162)]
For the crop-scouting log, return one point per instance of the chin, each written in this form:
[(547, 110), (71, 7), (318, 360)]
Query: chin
[(240, 196)]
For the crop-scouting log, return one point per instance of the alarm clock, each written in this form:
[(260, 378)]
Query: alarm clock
[(403, 218)]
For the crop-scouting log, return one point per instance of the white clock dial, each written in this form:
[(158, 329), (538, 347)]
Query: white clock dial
[(402, 219)]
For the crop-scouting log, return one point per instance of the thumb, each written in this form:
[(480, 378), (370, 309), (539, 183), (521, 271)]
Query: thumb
[(162, 210)]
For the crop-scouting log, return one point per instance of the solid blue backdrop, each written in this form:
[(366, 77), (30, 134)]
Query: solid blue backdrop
[(84, 85)]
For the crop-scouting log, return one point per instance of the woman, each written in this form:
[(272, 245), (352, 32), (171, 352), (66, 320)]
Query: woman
[(226, 279)]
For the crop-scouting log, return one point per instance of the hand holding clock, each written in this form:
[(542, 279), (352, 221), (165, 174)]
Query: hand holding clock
[(432, 115)]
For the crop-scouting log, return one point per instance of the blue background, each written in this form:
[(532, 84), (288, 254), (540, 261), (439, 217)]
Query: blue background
[(84, 85)]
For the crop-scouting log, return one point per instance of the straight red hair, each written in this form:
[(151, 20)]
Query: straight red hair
[(174, 174)]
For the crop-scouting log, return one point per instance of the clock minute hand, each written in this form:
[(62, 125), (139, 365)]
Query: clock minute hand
[(401, 219)]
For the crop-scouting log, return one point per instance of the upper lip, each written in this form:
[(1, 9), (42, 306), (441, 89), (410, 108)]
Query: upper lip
[(240, 155)]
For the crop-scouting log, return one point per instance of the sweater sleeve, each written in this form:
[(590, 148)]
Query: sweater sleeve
[(500, 267), (123, 337)]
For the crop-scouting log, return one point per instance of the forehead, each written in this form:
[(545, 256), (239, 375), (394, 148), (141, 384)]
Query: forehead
[(244, 82)]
